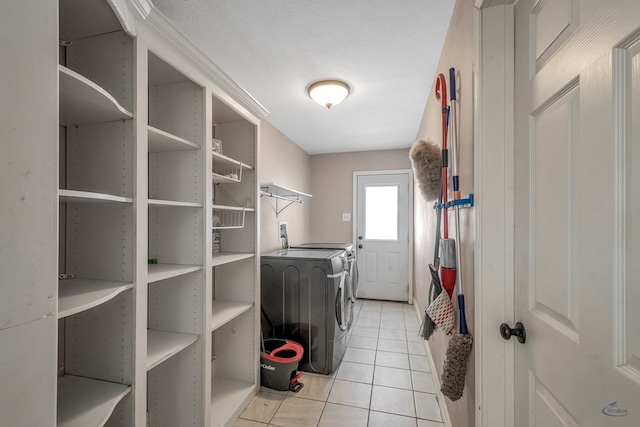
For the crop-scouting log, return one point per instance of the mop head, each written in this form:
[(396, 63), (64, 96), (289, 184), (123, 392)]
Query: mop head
[(455, 366), (426, 160), (442, 313), (428, 325)]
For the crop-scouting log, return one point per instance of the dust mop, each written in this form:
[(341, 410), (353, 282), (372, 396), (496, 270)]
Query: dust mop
[(459, 348), (426, 161)]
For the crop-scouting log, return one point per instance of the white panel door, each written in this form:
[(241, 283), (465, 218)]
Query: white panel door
[(577, 210), (382, 236)]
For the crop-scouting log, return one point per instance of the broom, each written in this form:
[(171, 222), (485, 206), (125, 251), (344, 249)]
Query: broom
[(459, 348), (428, 325)]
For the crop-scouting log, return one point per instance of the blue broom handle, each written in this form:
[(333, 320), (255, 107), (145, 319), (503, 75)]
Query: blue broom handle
[(463, 317), (452, 83)]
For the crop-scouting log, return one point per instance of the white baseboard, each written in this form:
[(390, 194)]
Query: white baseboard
[(446, 420)]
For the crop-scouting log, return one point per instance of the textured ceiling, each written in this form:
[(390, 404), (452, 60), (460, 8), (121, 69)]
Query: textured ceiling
[(386, 50)]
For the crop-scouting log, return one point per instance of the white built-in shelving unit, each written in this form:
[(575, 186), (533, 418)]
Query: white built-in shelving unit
[(154, 328), (96, 218), (176, 241), (235, 293)]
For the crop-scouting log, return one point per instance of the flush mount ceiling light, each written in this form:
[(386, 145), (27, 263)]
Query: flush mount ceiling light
[(328, 92)]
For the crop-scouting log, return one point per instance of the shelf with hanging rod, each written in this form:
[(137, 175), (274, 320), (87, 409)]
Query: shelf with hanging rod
[(279, 192)]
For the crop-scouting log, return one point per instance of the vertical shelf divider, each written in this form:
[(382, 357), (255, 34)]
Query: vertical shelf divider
[(142, 232)]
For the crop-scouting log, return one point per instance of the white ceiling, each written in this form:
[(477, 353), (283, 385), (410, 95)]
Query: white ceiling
[(386, 50)]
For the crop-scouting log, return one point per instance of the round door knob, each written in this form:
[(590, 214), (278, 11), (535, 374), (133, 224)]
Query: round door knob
[(519, 332), (360, 246)]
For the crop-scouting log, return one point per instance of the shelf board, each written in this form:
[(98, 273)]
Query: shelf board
[(221, 159), (228, 399), (155, 203), (160, 140), (221, 258), (161, 345), (157, 272), (84, 102), (225, 311), (76, 295), (75, 196), (222, 179), (86, 402), (272, 189), (232, 208)]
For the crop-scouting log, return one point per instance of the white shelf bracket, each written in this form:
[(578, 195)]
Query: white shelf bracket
[(281, 193)]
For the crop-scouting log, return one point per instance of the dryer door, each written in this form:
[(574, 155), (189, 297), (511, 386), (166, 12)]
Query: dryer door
[(349, 301), (344, 304), (353, 272)]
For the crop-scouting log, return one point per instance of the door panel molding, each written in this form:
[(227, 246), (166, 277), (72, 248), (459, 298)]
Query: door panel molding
[(552, 151), (546, 42), (626, 72), (546, 409)]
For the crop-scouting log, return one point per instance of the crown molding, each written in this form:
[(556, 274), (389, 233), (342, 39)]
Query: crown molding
[(132, 13), (483, 4), (162, 25)]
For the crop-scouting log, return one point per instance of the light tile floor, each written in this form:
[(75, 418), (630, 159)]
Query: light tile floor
[(384, 380)]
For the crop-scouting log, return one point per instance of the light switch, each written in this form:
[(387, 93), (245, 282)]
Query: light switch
[(346, 216)]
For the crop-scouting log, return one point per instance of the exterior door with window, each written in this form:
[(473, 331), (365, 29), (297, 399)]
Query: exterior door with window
[(577, 210), (382, 234)]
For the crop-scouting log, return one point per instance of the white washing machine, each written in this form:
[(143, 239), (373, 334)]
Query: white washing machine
[(350, 253)]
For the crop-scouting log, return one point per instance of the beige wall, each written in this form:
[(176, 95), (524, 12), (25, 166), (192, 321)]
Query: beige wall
[(457, 52), (332, 188), (329, 178), (283, 163)]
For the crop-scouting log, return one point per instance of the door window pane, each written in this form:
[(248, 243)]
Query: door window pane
[(381, 213)]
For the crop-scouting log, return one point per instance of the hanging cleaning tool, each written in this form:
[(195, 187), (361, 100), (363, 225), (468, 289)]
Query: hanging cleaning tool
[(459, 348), (426, 163), (447, 246), (440, 309), (428, 325)]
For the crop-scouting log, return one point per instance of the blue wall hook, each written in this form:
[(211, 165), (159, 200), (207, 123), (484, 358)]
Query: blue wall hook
[(463, 203)]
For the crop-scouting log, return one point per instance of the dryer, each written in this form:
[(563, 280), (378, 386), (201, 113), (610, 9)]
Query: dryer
[(304, 299)]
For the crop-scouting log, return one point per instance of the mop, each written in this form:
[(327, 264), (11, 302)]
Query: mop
[(440, 309), (459, 348), (447, 246)]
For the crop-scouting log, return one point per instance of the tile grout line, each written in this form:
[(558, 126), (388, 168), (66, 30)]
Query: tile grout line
[(374, 365)]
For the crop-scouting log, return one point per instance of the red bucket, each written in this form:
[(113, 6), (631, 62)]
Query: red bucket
[(279, 363)]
